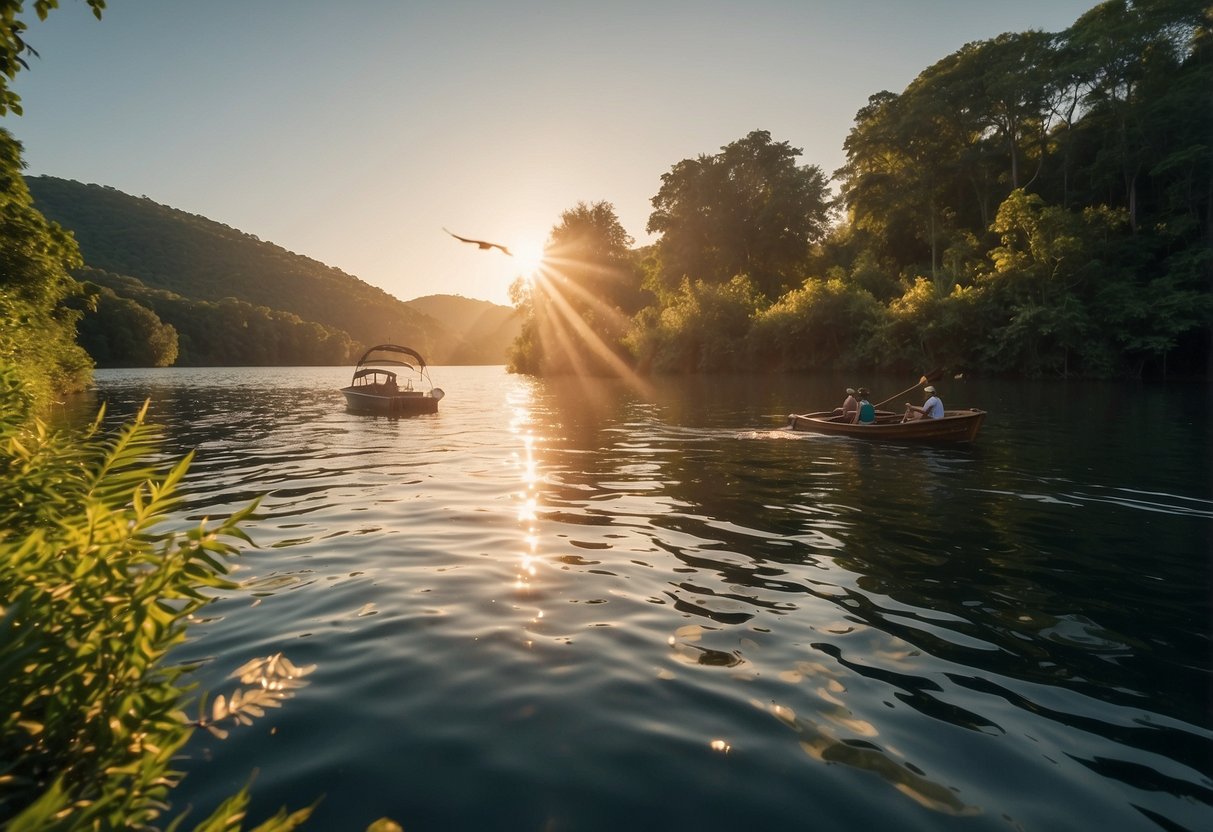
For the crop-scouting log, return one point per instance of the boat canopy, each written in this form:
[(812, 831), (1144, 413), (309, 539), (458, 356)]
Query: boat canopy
[(369, 356), (371, 371)]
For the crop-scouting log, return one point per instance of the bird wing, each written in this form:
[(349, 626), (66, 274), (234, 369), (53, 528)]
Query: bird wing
[(457, 237), (484, 244)]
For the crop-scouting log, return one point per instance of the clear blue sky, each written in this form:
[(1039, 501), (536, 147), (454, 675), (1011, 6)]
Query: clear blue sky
[(352, 131)]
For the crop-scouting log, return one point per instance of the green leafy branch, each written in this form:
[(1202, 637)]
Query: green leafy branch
[(273, 679)]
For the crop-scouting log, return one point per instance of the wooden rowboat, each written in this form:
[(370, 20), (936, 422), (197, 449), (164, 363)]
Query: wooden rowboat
[(955, 426)]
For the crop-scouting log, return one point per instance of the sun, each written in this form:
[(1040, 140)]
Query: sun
[(528, 257)]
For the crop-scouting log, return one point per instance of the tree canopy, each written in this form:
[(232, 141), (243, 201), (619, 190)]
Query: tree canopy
[(580, 302), (1035, 203), (749, 209)]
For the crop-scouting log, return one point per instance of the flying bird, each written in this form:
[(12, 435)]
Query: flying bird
[(484, 245)]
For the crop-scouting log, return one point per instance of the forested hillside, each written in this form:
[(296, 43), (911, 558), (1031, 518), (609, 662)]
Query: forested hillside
[(235, 299), (144, 327)]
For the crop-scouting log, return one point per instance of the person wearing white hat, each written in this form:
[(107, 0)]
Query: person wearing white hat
[(932, 408)]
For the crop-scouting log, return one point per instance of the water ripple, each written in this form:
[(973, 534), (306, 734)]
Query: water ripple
[(560, 605)]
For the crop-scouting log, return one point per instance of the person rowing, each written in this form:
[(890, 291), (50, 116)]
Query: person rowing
[(932, 408)]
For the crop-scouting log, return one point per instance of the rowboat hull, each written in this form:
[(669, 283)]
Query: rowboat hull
[(404, 403), (955, 426)]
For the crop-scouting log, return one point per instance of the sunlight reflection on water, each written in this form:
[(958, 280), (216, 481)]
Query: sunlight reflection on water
[(542, 607)]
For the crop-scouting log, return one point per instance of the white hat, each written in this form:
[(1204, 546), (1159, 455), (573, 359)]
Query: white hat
[(851, 390), (930, 388)]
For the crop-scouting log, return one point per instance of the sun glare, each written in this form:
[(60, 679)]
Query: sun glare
[(528, 256)]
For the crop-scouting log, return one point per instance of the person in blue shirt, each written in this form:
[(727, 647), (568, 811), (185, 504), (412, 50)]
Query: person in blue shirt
[(932, 408), (866, 415)]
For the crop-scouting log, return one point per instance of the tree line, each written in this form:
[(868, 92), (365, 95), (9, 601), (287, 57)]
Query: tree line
[(127, 324), (1032, 204)]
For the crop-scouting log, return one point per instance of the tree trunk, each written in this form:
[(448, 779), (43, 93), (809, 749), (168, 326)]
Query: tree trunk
[(934, 243), (1132, 188), (1014, 160)]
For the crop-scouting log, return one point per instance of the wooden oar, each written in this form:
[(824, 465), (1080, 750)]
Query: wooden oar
[(927, 379)]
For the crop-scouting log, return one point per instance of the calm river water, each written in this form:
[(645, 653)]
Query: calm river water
[(559, 607)]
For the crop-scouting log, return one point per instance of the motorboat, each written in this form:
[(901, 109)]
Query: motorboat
[(392, 380)]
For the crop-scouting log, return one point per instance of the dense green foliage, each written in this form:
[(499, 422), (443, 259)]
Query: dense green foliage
[(701, 328), (37, 332), (93, 594), (1032, 204), (207, 334), (1055, 189), (119, 332), (237, 300), (746, 210)]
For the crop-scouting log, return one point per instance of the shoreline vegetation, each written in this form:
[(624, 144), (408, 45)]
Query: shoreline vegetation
[(1035, 204)]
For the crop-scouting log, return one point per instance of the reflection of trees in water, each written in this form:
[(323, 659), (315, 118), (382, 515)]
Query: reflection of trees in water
[(942, 547), (961, 571), (720, 507), (935, 530)]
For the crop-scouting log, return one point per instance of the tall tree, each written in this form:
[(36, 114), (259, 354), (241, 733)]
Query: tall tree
[(1121, 47), (997, 88), (38, 336), (901, 158), (579, 304), (749, 209), (590, 249)]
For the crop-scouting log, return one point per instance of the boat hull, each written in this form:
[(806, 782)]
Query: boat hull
[(955, 426), (405, 403)]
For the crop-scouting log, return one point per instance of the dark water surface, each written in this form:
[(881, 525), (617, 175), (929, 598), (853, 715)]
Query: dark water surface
[(552, 607)]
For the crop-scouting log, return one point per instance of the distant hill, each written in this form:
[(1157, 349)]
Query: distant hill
[(482, 328), (186, 257)]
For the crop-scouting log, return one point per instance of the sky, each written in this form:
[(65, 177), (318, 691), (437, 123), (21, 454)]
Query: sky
[(354, 131)]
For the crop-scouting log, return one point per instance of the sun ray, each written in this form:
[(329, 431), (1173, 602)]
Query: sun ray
[(567, 326)]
